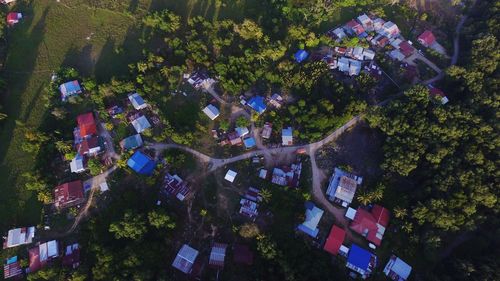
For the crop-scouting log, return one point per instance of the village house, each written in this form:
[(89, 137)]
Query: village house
[(141, 163), (249, 203), (379, 40), (42, 255), (437, 93), (185, 259), (131, 142), (342, 187), (310, 224), (217, 255), (427, 38), (406, 48), (199, 79), (19, 236), (68, 194), (71, 257), (361, 261), (69, 89), (397, 270), (354, 28), (287, 176), (287, 136), (77, 164), (300, 56), (366, 22), (141, 124), (257, 104), (86, 125), (397, 55), (13, 18), (175, 186), (267, 130), (378, 24), (211, 111), (276, 100), (338, 34), (12, 268), (90, 146), (389, 29), (230, 176), (370, 224), (137, 102), (334, 241)]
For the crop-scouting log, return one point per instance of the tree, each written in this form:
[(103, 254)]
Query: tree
[(249, 230), (266, 195), (224, 125), (249, 30), (160, 219), (266, 247), (132, 226), (242, 121), (94, 166)]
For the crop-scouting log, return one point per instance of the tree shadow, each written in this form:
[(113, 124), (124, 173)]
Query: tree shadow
[(20, 64), (132, 6), (81, 60)]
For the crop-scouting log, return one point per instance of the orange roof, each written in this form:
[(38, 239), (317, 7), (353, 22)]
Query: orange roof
[(86, 123)]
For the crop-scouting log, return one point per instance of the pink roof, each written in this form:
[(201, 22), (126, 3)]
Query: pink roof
[(352, 24), (334, 240), (436, 92), (12, 17), (427, 38), (406, 48), (86, 123)]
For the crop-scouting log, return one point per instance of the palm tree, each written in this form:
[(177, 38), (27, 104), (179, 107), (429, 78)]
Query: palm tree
[(399, 212), (364, 198), (266, 195), (2, 116)]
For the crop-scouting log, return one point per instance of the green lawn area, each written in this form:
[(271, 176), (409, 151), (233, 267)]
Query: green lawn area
[(51, 34)]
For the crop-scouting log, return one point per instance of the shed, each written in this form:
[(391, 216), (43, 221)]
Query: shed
[(141, 163), (141, 124), (211, 111), (185, 259), (300, 56), (350, 213), (218, 255), (137, 101), (69, 89), (230, 176)]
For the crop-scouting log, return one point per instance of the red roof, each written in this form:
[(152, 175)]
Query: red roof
[(34, 257), (372, 224), (87, 144), (352, 24), (426, 38), (406, 48), (381, 215), (86, 123), (68, 194), (12, 17), (436, 92), (334, 240)]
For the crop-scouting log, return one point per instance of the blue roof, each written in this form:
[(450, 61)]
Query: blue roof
[(300, 56), (313, 216), (70, 88), (359, 257), (287, 132), (141, 163), (131, 142), (249, 143), (257, 104)]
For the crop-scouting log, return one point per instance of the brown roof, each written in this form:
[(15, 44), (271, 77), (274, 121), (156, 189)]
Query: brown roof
[(68, 194)]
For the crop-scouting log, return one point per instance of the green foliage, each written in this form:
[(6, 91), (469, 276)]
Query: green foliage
[(132, 226), (224, 125), (94, 166), (266, 247), (249, 230), (160, 219), (242, 121)]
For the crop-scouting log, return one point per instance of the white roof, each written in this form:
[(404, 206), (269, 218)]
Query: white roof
[(287, 136), (242, 131), (185, 259), (368, 54), (230, 175), (20, 236), (350, 213), (262, 173), (104, 186), (211, 111), (343, 64), (137, 101), (399, 267), (141, 124), (364, 19), (76, 165)]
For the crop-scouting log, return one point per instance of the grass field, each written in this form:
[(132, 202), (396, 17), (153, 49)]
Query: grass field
[(52, 34)]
